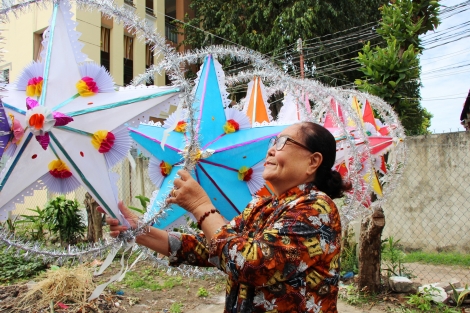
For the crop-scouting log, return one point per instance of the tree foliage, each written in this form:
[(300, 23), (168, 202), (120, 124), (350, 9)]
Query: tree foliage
[(271, 25), (392, 72), (274, 26)]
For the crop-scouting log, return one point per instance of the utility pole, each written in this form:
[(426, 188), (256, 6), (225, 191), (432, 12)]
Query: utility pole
[(300, 50), (302, 75)]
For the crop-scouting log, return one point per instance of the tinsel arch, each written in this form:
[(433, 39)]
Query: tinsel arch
[(276, 80)]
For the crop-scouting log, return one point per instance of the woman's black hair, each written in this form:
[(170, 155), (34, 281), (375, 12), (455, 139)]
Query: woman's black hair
[(319, 139)]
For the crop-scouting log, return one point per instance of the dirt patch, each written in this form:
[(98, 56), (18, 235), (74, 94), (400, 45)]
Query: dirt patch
[(148, 289), (9, 296), (426, 273)]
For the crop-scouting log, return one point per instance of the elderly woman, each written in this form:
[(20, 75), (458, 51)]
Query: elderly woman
[(282, 253)]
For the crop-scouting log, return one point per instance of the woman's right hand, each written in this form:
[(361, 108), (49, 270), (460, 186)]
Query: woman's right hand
[(115, 228)]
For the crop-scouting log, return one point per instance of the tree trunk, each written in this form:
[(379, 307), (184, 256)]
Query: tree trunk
[(369, 251), (95, 219)]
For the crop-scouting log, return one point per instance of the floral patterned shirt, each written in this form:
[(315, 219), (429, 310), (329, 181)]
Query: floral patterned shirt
[(281, 254)]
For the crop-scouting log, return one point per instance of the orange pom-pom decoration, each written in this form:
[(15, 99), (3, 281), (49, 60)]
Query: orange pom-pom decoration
[(36, 121), (244, 173), (181, 127), (165, 168), (231, 126)]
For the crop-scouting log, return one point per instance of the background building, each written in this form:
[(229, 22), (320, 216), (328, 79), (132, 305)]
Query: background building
[(105, 42)]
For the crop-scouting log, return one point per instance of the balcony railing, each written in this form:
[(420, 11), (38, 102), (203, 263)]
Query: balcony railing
[(129, 2), (171, 32), (149, 11)]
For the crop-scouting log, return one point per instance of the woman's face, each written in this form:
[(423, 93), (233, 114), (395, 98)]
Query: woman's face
[(291, 166)]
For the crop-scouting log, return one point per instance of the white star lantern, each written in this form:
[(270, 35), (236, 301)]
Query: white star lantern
[(72, 119)]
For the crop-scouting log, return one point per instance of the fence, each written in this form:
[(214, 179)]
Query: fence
[(429, 211)]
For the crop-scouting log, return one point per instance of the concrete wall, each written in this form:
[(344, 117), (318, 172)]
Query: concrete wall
[(430, 209)]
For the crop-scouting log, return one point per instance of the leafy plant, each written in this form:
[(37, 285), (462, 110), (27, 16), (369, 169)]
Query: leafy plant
[(353, 296), (172, 281), (64, 219), (144, 201), (202, 292), (392, 258), (9, 224), (424, 303), (421, 301), (176, 307), (457, 296), (15, 265), (349, 261), (35, 225)]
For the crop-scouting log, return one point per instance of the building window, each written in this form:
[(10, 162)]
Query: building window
[(149, 7), (170, 15), (37, 46), (148, 56), (149, 60), (128, 59), (105, 42), (6, 75), (171, 32)]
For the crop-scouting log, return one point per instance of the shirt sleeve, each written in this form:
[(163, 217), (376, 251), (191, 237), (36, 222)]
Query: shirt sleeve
[(192, 249), (305, 236)]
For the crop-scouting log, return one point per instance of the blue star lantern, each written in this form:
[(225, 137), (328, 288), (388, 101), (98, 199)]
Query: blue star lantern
[(231, 159)]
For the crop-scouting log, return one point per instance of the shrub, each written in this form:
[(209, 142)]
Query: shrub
[(64, 220), (14, 265)]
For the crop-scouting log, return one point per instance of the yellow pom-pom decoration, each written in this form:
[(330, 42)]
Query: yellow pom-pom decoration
[(244, 173), (34, 87)]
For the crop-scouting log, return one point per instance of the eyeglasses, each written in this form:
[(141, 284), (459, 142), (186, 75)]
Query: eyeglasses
[(280, 142)]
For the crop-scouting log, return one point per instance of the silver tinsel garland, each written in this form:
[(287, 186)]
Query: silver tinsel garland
[(262, 67)]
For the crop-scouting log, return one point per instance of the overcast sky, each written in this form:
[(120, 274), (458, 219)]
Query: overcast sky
[(444, 91)]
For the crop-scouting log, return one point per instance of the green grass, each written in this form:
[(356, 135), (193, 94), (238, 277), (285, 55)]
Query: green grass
[(443, 258), (146, 280)]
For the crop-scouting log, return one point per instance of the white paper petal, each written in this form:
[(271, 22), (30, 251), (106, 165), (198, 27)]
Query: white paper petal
[(155, 173), (34, 69), (122, 145), (370, 130), (239, 117), (10, 150), (256, 181), (174, 118), (100, 75), (60, 185)]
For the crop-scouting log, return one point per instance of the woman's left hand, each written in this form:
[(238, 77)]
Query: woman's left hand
[(188, 194)]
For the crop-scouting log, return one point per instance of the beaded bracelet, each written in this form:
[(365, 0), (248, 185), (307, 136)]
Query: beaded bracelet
[(203, 217)]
